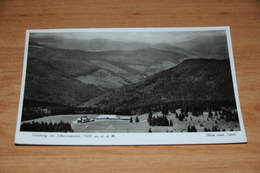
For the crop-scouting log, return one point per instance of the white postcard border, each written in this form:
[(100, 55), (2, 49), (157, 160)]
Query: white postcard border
[(45, 138)]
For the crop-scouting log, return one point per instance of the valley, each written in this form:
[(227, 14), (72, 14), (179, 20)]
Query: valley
[(133, 78), (82, 74)]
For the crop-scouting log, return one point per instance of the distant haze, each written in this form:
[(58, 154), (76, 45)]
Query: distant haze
[(145, 37)]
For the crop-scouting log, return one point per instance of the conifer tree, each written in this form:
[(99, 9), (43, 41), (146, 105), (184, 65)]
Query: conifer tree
[(210, 114), (131, 120), (136, 119)]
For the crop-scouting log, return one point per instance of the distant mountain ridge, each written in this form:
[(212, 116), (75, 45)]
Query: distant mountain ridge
[(133, 66), (206, 47), (200, 47)]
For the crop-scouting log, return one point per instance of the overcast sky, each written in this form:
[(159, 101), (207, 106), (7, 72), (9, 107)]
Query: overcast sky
[(147, 37)]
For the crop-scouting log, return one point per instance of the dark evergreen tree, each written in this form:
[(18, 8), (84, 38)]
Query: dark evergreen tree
[(158, 121), (131, 120), (137, 119), (181, 117), (164, 121), (210, 114), (215, 129), (192, 128), (189, 128)]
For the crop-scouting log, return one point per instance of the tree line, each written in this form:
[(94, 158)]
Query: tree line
[(46, 127), (41, 109)]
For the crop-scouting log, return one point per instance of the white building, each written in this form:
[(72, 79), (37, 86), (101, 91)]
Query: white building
[(111, 117)]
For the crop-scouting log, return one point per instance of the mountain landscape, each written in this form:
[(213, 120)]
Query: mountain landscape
[(191, 80), (74, 76), (151, 82), (104, 73)]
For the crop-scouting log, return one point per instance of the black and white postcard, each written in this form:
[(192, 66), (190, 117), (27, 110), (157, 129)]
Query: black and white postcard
[(129, 86)]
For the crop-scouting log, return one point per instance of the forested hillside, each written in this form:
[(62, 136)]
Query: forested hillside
[(192, 80)]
